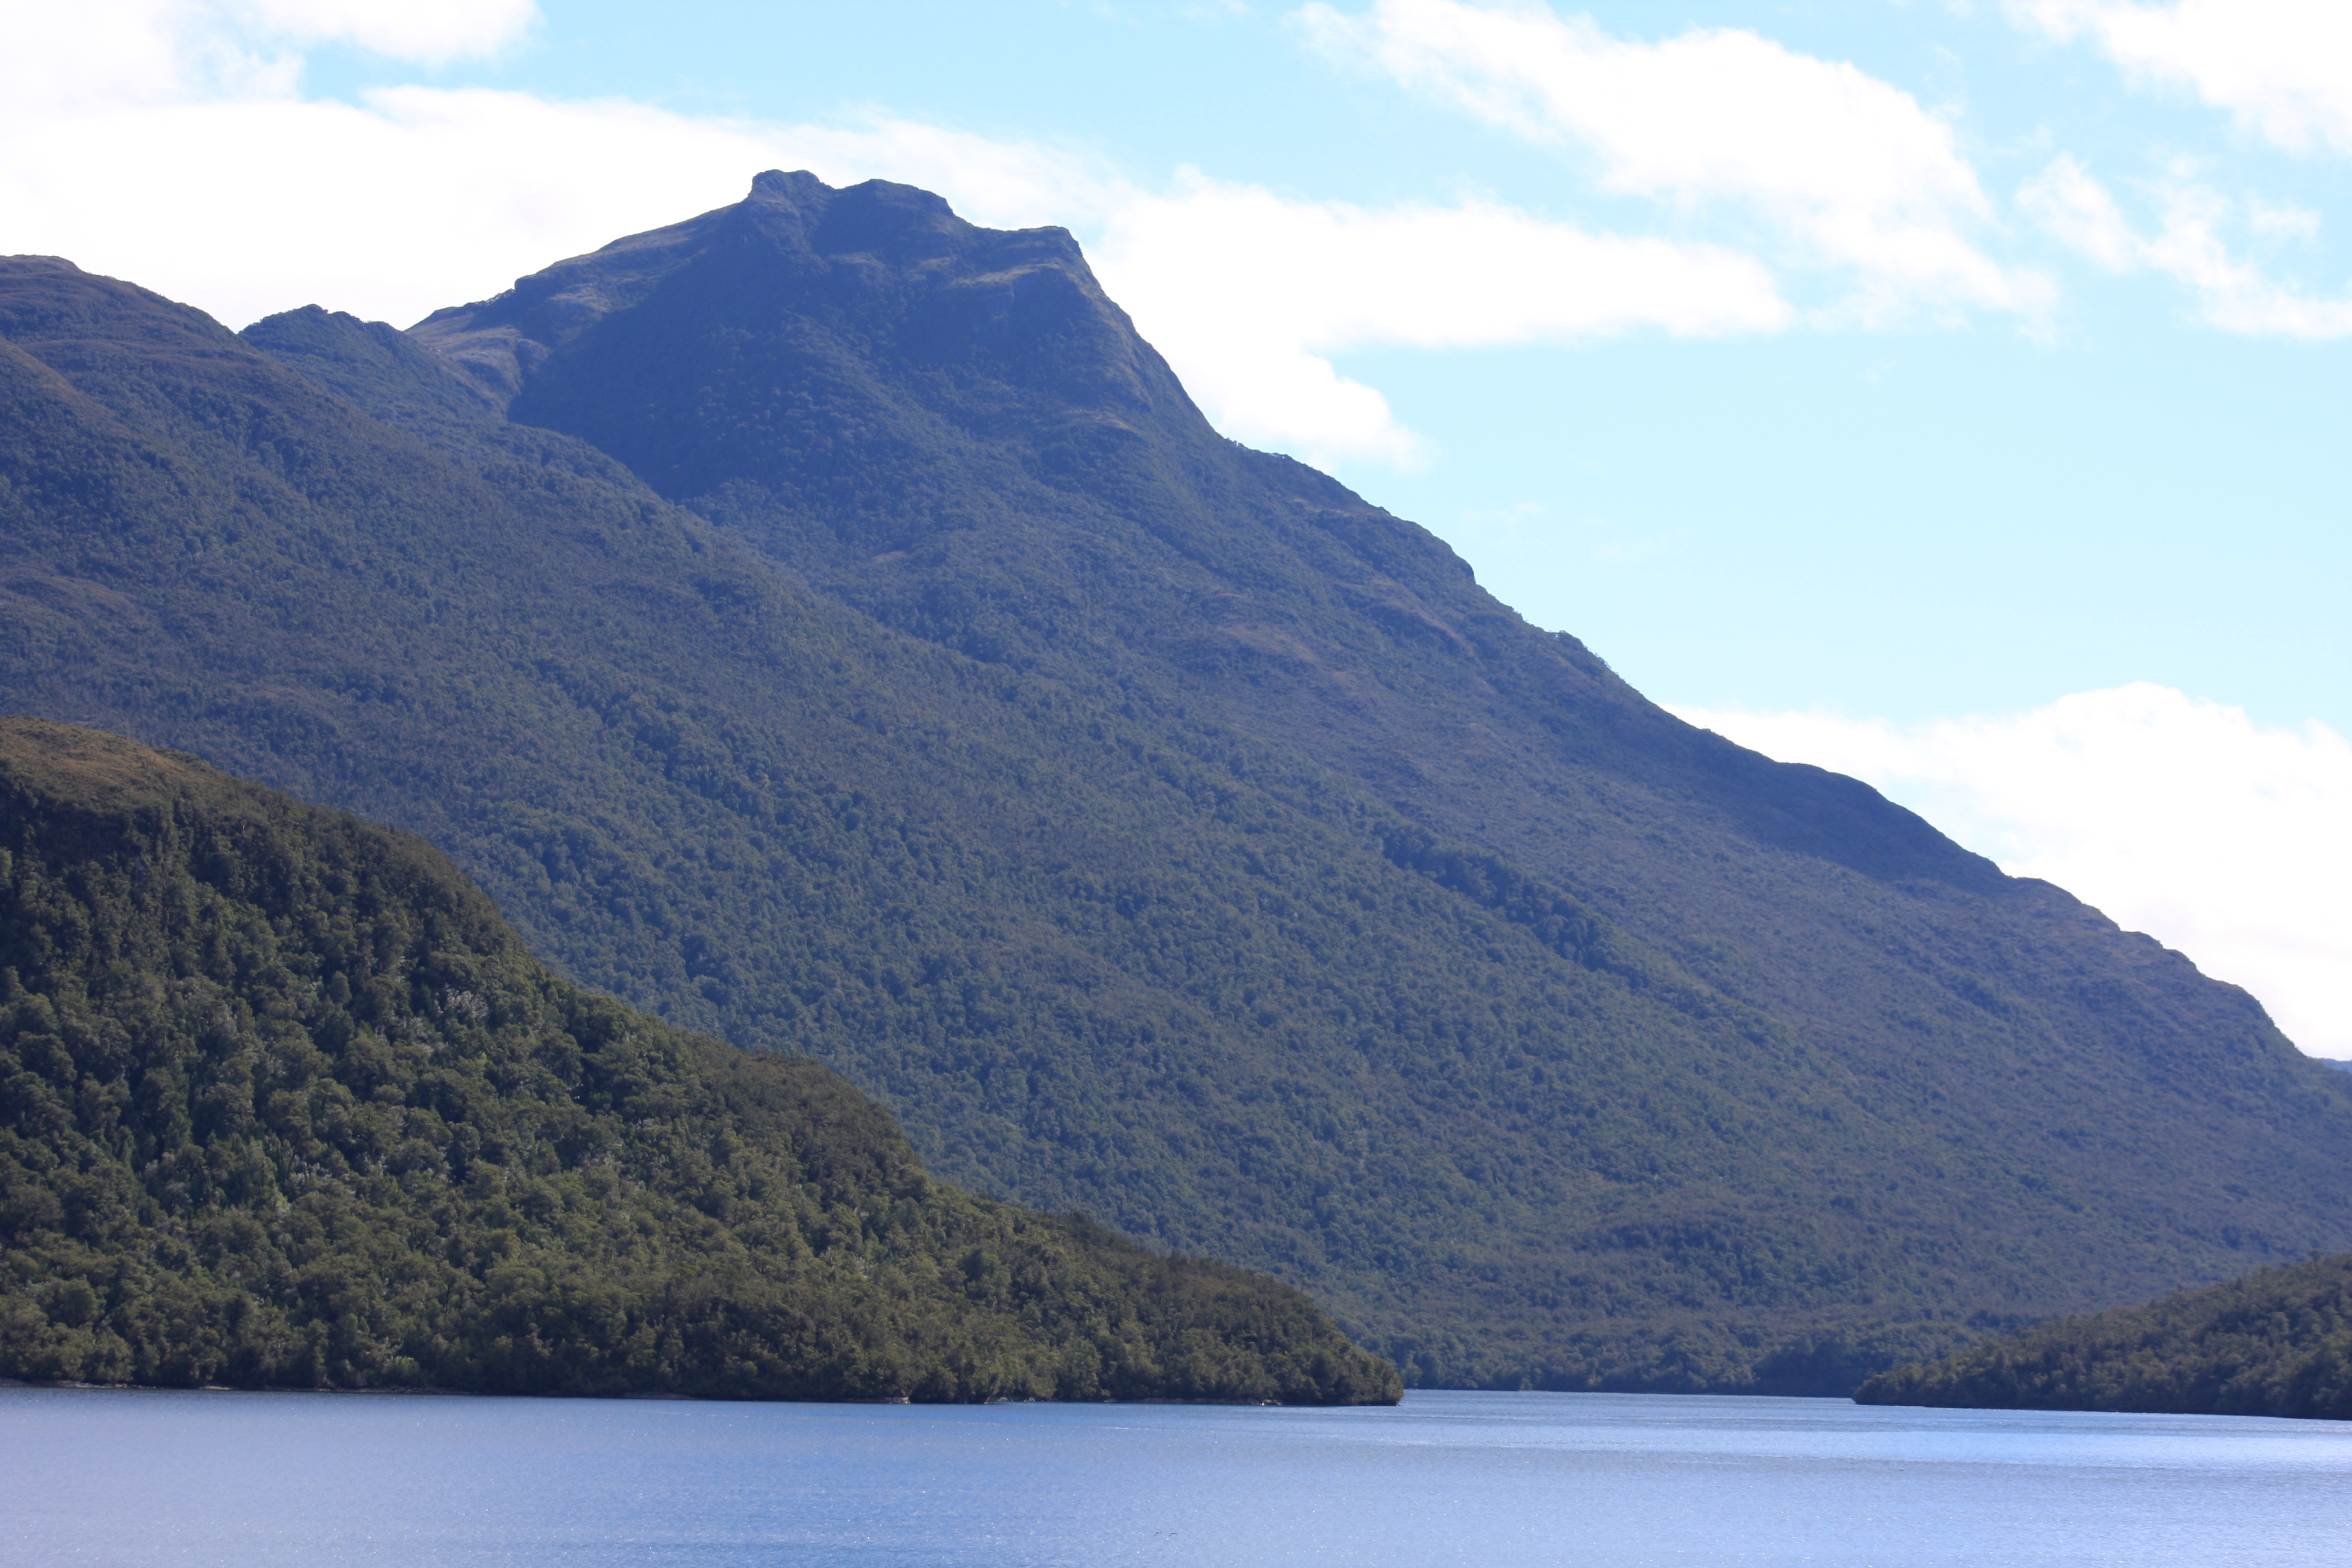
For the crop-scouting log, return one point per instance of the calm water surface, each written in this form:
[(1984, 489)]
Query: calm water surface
[(95, 1476)]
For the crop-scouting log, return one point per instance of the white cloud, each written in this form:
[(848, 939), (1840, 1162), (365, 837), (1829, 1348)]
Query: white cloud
[(1845, 172), (1247, 292), (427, 31), (2229, 840), (222, 186), (2189, 245), (57, 56), (109, 53), (2082, 215), (2283, 68)]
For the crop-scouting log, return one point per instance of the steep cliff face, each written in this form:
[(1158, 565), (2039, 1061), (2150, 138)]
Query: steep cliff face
[(826, 624)]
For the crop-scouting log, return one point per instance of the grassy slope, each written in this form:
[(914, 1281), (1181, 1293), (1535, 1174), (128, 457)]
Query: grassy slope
[(2276, 1342), (283, 1101), (1098, 946)]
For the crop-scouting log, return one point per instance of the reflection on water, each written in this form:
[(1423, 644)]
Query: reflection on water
[(97, 1476)]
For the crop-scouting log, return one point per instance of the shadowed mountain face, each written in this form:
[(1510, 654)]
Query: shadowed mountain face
[(827, 624), (953, 428)]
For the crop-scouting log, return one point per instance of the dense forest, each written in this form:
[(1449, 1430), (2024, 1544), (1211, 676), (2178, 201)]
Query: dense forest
[(284, 1101), (2276, 1342), (869, 654)]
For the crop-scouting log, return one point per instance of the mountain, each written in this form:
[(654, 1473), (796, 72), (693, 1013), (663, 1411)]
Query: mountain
[(283, 1101), (2276, 1342), (826, 624)]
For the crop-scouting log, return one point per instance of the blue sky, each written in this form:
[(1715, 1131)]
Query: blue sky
[(1951, 393)]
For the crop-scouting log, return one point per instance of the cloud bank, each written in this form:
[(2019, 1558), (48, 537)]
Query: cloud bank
[(1248, 292), (2190, 244), (1835, 168), (2184, 818), (2281, 69)]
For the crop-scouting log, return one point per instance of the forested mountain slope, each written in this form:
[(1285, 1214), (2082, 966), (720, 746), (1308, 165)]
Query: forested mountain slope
[(1154, 827), (2276, 1342), (284, 1101)]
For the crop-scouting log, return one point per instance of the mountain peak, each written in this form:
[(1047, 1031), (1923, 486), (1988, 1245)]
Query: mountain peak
[(798, 187), (793, 244)]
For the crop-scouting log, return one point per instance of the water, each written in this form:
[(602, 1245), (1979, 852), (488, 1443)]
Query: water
[(104, 1478)]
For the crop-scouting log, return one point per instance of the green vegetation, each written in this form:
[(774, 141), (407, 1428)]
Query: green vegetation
[(1155, 828), (2276, 1342), (284, 1101)]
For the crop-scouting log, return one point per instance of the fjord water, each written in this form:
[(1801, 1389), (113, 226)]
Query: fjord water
[(105, 1477)]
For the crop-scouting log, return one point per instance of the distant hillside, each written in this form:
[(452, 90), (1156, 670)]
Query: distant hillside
[(283, 1101), (2276, 1342), (907, 677)]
